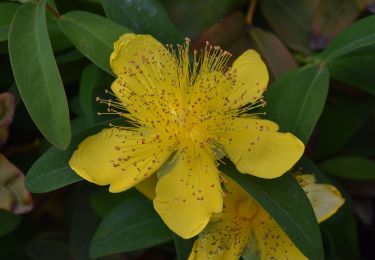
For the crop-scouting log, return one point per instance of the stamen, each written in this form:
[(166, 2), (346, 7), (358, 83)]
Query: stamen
[(180, 98)]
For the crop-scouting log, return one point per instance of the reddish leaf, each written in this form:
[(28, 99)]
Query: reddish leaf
[(331, 17), (13, 195), (192, 17), (371, 7), (7, 106), (291, 20), (278, 58), (364, 210), (229, 34)]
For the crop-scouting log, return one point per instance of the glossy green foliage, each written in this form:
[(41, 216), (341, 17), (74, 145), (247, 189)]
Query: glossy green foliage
[(350, 167), (358, 38), (51, 171), (36, 74), (103, 202), (90, 33), (356, 71), (286, 202), (143, 16), (7, 11), (339, 242), (183, 247), (123, 229), (348, 116), (54, 60), (302, 93), (93, 83)]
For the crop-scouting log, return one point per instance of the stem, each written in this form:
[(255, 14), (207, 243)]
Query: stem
[(13, 150), (307, 60), (52, 11), (250, 12)]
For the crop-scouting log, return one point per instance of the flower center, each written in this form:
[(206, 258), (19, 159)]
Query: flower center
[(180, 100), (193, 119), (247, 209)]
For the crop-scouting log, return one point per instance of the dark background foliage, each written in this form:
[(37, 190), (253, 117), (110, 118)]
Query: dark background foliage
[(54, 62)]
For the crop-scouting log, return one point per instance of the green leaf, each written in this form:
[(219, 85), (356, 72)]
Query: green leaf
[(340, 243), (307, 166), (291, 20), (21, 1), (228, 33), (133, 225), (347, 116), (183, 247), (80, 124), (286, 202), (36, 74), (350, 167), (357, 71), (331, 17), (8, 222), (92, 78), (358, 38), (143, 16), (92, 35), (341, 234), (296, 100), (273, 51), (52, 171), (58, 40), (103, 201), (363, 143), (68, 57), (193, 17), (7, 11)]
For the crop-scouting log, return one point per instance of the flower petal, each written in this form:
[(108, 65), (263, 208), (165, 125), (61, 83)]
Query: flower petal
[(256, 148), (147, 187), (189, 192), (223, 239), (130, 50), (251, 78), (147, 78), (324, 198), (227, 234), (121, 158), (270, 240)]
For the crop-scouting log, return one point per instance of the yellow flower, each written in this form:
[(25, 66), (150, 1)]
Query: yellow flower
[(244, 224), (325, 199), (185, 117)]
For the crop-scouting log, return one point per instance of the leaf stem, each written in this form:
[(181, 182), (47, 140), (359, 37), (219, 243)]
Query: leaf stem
[(13, 150), (307, 60), (52, 11), (250, 12)]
